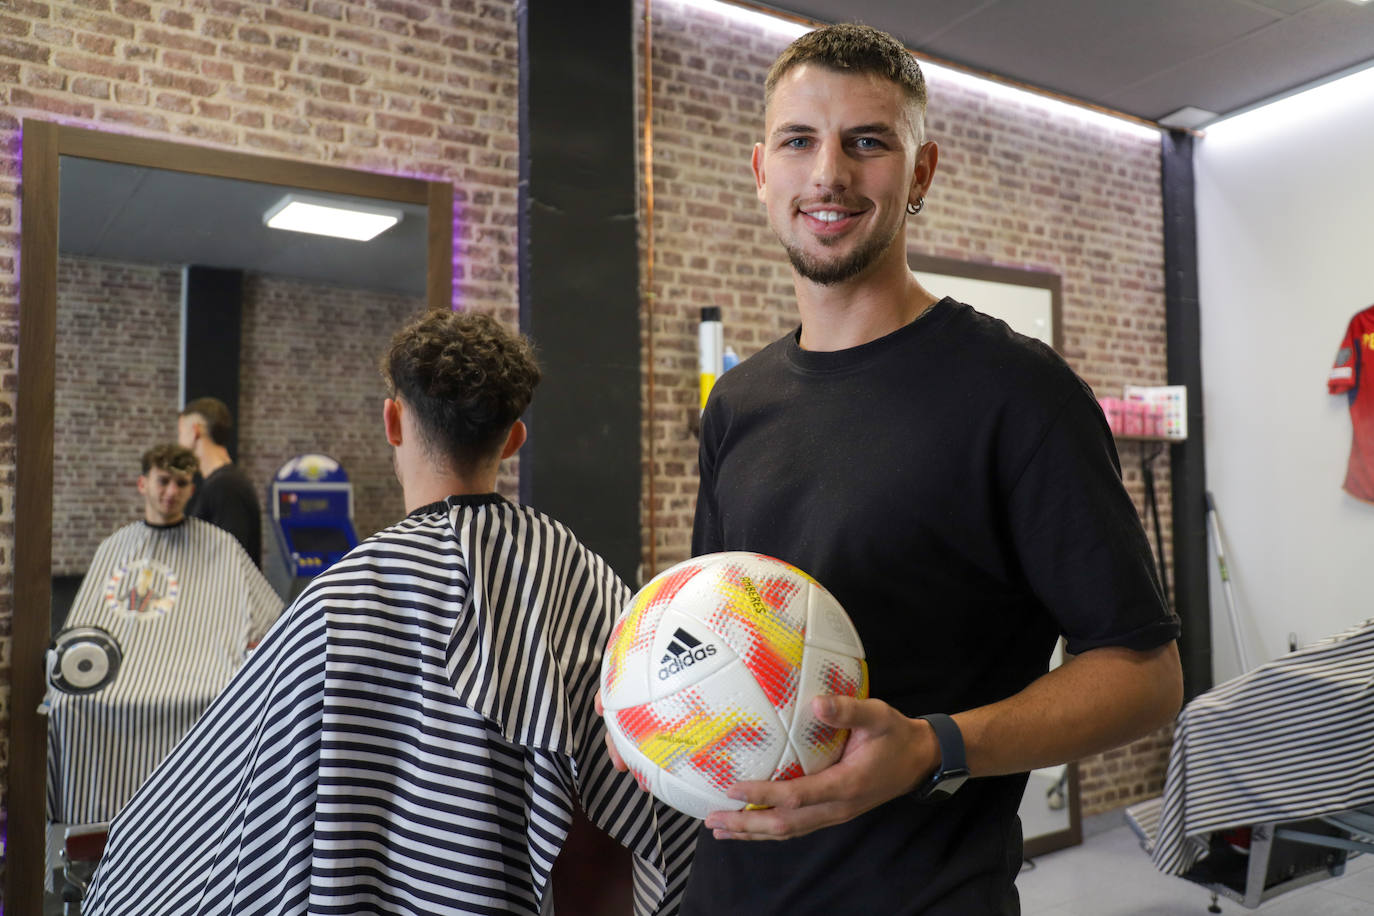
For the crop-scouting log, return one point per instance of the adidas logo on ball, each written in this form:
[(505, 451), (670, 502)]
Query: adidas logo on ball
[(684, 650)]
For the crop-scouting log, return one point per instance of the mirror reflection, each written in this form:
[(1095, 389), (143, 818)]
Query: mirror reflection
[(136, 329)]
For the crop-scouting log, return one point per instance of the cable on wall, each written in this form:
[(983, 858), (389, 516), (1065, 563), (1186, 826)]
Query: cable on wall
[(649, 277)]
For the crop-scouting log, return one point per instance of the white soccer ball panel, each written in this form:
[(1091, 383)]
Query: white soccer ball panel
[(687, 652), (828, 626), (709, 736), (758, 606), (824, 672), (628, 667), (691, 800)]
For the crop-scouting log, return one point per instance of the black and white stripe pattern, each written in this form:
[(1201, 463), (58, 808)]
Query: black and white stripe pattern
[(411, 738), (184, 602), (1292, 739)]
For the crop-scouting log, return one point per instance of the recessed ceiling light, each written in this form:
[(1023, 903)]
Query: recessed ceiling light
[(1188, 117), (326, 216)]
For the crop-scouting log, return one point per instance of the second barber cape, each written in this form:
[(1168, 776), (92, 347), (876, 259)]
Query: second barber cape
[(183, 602)]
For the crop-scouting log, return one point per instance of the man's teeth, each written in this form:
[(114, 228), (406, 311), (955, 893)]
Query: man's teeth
[(827, 216)]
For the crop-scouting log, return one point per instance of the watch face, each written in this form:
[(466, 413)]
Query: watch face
[(949, 783)]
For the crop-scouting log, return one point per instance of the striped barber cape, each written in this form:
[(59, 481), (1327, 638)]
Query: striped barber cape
[(1292, 739), (184, 602), (412, 737)]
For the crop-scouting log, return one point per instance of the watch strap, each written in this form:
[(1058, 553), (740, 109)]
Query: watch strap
[(952, 770)]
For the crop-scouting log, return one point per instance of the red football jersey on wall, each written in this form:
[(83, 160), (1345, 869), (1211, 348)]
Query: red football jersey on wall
[(1350, 375)]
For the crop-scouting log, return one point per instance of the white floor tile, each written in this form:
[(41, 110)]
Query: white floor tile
[(1110, 875)]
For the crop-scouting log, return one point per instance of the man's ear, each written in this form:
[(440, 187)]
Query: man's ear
[(391, 420), (514, 439), (924, 172), (756, 163), (143, 484)]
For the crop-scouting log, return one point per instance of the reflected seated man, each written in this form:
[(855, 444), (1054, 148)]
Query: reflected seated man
[(182, 603)]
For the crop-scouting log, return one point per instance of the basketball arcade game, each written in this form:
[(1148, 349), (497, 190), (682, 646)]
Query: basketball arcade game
[(311, 503)]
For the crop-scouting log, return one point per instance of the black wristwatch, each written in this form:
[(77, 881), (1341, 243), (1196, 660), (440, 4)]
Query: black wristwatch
[(952, 771)]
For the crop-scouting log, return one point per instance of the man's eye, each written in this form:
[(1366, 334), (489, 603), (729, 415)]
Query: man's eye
[(868, 143), (798, 143)]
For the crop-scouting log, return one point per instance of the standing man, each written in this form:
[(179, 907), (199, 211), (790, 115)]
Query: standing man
[(416, 733), (224, 496), (184, 603), (956, 487)]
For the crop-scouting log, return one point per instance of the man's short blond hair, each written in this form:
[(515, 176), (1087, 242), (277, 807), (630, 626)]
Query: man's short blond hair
[(853, 48)]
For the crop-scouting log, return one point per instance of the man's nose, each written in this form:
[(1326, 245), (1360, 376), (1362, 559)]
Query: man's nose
[(831, 166)]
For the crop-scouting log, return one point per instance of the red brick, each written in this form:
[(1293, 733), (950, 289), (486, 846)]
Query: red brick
[(14, 28), (91, 86), (57, 104), (304, 25), (23, 50), (45, 79), (126, 94), (343, 113), (210, 133), (133, 9), (179, 41), (217, 28), (161, 79), (349, 75), (170, 101), (144, 119), (366, 37), (105, 25), (177, 19), (217, 70), (258, 57)]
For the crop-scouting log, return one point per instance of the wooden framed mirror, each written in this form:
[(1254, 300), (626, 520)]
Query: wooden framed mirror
[(1031, 303), (45, 147)]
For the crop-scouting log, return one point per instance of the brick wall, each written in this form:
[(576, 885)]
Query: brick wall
[(308, 382), (1015, 187), (412, 87), (117, 376)]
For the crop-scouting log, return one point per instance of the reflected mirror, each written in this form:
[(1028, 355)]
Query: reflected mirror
[(1028, 301), (104, 351)]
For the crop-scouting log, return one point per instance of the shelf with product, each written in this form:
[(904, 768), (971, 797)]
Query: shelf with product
[(1148, 414)]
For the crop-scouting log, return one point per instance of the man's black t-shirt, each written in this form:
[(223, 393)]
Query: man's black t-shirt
[(227, 499), (956, 487)]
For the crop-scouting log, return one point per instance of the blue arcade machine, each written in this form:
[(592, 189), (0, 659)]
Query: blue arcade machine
[(312, 517)]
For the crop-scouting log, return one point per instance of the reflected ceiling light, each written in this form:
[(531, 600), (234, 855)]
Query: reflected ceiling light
[(746, 16), (326, 216)]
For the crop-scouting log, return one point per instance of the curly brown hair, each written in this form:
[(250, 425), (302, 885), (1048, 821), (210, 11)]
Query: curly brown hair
[(849, 46), (170, 457), (467, 378)]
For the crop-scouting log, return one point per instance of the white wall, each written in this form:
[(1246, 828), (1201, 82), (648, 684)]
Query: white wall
[(1285, 210)]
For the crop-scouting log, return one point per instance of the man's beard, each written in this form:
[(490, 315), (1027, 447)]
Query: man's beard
[(846, 268)]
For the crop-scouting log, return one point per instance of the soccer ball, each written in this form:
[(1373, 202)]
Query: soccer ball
[(709, 675)]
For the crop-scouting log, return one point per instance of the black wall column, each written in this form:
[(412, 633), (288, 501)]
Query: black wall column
[(579, 271), (1189, 467), (212, 330)]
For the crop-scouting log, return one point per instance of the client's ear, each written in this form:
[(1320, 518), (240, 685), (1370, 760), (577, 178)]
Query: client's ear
[(514, 439), (391, 420)]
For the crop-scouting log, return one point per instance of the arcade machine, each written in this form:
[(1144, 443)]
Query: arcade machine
[(312, 516)]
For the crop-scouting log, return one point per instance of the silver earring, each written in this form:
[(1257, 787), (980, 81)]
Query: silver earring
[(917, 207)]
